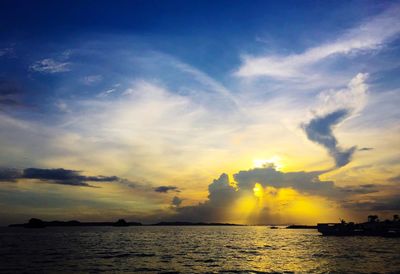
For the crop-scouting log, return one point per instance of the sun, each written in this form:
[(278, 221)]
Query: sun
[(258, 190)]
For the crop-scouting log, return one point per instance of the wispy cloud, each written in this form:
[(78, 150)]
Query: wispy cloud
[(51, 66), (92, 79), (369, 35)]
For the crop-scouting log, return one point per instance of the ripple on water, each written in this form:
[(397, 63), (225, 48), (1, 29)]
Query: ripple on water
[(252, 252), (192, 250)]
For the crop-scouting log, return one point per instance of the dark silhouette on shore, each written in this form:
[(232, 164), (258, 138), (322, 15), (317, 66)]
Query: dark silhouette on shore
[(373, 227), (121, 222), (37, 223), (301, 227), (193, 224)]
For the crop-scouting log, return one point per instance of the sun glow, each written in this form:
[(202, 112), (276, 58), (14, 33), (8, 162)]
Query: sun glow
[(258, 190), (275, 161), (282, 205)]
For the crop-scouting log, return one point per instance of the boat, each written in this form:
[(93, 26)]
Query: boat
[(373, 227)]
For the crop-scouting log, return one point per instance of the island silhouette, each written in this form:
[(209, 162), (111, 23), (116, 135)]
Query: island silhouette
[(38, 223), (373, 227)]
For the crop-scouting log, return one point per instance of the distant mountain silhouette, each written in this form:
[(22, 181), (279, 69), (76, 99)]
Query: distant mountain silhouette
[(193, 224), (121, 222), (301, 227), (37, 223)]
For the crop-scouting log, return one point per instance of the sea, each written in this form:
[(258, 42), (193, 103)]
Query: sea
[(192, 249)]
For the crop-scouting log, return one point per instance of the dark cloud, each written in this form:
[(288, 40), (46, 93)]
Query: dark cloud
[(365, 148), (9, 88), (176, 201), (361, 189), (395, 179), (305, 182), (165, 189), (319, 130), (223, 193), (9, 102), (269, 176), (10, 94), (391, 203), (56, 176)]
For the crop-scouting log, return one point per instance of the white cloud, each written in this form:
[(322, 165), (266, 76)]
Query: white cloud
[(92, 79), (49, 65), (106, 92), (370, 35), (62, 106), (352, 98)]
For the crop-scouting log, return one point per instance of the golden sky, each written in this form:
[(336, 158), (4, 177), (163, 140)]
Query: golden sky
[(122, 126)]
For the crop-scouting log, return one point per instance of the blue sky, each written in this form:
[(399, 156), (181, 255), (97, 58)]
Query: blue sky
[(138, 95)]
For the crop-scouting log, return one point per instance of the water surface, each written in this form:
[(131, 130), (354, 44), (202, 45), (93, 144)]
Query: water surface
[(191, 250)]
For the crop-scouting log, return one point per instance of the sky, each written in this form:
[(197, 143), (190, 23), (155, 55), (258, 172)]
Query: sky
[(261, 112)]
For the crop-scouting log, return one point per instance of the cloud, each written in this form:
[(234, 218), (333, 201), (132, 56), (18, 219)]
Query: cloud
[(395, 179), (92, 79), (304, 182), (56, 176), (221, 195), (369, 35), (62, 106), (365, 149), (224, 195), (176, 201), (10, 94), (319, 130), (153, 129), (352, 98), (51, 66), (387, 203), (361, 189), (106, 92), (165, 189), (334, 106)]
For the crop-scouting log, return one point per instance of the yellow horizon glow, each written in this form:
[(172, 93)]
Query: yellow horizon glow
[(281, 205)]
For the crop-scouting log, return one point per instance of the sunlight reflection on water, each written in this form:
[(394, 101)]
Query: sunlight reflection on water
[(191, 249)]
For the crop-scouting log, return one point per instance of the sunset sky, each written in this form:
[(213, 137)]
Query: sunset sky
[(253, 112)]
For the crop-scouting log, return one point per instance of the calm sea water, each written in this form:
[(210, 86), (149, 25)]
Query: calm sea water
[(191, 250)]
